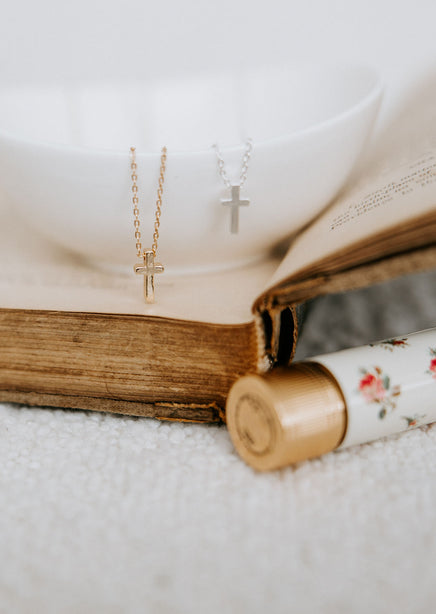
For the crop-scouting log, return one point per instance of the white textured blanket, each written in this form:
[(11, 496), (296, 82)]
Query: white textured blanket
[(102, 513)]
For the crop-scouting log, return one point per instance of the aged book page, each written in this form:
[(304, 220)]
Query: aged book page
[(391, 204), (388, 207), (123, 363), (39, 276)]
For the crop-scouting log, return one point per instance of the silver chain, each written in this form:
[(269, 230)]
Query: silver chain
[(244, 169)]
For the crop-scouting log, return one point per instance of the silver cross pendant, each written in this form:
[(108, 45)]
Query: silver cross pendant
[(235, 202), (148, 268)]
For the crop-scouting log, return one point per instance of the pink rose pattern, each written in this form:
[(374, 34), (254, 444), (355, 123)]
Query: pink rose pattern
[(416, 420), (390, 344), (375, 387), (372, 388), (432, 366)]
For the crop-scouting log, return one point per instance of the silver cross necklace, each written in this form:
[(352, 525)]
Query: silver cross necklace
[(235, 200)]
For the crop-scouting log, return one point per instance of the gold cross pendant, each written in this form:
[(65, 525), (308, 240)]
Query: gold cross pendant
[(148, 268)]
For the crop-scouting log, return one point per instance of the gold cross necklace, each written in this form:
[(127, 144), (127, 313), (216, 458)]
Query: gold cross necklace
[(148, 267)]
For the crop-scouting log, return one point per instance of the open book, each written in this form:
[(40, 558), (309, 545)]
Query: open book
[(72, 336)]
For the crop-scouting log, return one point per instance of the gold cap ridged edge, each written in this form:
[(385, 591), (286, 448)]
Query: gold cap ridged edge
[(286, 416)]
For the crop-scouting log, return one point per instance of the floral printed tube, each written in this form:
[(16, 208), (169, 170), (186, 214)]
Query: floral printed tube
[(334, 400), (388, 386)]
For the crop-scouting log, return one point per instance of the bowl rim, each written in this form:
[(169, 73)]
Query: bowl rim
[(373, 95)]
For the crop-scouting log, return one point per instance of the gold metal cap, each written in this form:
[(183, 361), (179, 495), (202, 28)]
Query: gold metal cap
[(286, 416)]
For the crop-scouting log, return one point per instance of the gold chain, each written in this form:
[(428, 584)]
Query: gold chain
[(135, 201)]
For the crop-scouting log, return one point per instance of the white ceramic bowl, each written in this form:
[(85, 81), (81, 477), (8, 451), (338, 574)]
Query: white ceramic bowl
[(64, 159)]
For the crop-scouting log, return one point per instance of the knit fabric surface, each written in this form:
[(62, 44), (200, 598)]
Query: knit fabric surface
[(103, 513)]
